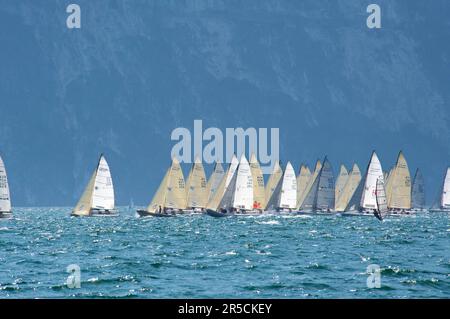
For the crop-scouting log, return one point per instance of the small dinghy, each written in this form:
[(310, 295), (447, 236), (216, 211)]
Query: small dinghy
[(98, 196), (5, 200)]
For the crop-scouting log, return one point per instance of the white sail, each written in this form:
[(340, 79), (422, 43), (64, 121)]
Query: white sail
[(445, 198), (288, 195), (381, 196), (243, 194), (325, 191), (5, 200), (196, 186), (418, 191), (214, 180), (227, 200), (374, 172), (233, 166), (103, 193)]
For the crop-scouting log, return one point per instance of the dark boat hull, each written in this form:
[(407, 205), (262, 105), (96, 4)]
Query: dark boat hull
[(144, 213), (5, 215), (213, 213)]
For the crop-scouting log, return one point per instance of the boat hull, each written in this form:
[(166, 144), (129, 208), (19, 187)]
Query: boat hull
[(98, 213), (214, 213), (5, 215), (144, 213)]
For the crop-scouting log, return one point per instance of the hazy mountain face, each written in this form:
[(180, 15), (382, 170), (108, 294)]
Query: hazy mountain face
[(137, 70)]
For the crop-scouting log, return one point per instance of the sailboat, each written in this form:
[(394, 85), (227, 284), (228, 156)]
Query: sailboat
[(98, 196), (340, 182), (238, 195), (399, 187), (215, 200), (309, 194), (353, 181), (320, 198), (5, 199), (284, 198), (380, 194), (443, 203), (259, 199), (196, 188), (273, 181), (418, 192), (302, 182), (170, 198), (214, 181), (364, 202)]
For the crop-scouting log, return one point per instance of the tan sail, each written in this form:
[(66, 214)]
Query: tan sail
[(302, 182), (217, 197), (273, 181), (388, 185), (160, 196), (214, 180), (310, 183), (176, 190), (340, 182), (259, 201), (196, 190), (84, 205), (400, 185), (353, 180)]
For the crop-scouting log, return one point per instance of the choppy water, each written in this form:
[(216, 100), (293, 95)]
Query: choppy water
[(199, 256)]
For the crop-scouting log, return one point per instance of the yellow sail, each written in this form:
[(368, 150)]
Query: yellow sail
[(400, 185), (160, 196), (84, 205), (302, 181), (353, 180), (310, 184), (176, 191), (273, 181), (259, 200), (340, 182), (196, 188), (214, 180)]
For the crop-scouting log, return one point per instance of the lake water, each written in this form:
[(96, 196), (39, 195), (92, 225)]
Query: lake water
[(203, 257)]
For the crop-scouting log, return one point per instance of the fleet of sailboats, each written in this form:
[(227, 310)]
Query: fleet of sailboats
[(98, 196), (5, 199), (241, 190)]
